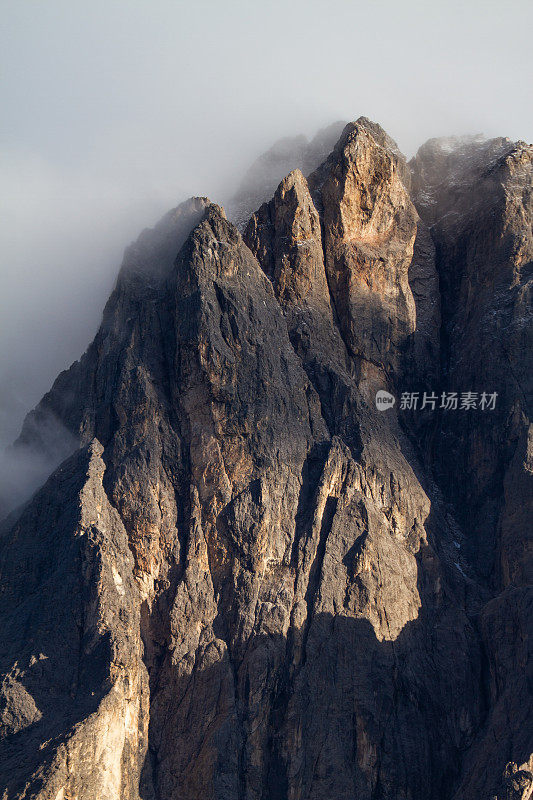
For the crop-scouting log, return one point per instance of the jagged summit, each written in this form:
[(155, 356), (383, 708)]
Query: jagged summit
[(261, 180), (156, 248), (445, 169), (380, 136), (249, 581)]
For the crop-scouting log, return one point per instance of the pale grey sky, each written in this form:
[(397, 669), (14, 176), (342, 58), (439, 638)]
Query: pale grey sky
[(115, 110)]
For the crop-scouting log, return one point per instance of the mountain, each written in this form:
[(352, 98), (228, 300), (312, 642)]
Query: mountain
[(261, 180), (249, 581)]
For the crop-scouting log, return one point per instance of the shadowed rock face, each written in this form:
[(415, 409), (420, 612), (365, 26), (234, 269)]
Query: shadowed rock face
[(478, 197), (248, 582)]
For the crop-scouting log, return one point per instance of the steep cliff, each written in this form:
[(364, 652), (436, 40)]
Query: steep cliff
[(249, 582)]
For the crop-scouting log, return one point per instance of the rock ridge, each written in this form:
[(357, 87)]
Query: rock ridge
[(248, 582)]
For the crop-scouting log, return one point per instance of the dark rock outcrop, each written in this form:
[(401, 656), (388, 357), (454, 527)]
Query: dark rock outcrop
[(477, 196), (249, 582)]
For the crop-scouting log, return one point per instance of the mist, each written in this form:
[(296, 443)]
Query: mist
[(116, 111)]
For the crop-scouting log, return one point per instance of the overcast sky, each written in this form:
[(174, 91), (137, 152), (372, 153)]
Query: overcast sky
[(115, 110)]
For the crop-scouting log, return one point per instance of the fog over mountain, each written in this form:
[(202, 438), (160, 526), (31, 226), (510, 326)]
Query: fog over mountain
[(267, 289), (115, 111)]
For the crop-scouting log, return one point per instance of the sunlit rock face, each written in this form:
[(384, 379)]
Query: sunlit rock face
[(248, 581)]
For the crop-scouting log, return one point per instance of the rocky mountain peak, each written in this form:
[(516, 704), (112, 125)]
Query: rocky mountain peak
[(286, 237), (369, 230), (445, 170), (154, 252), (261, 180), (250, 580)]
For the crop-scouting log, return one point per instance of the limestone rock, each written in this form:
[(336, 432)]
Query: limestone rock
[(370, 227), (74, 695), (477, 196), (245, 583)]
